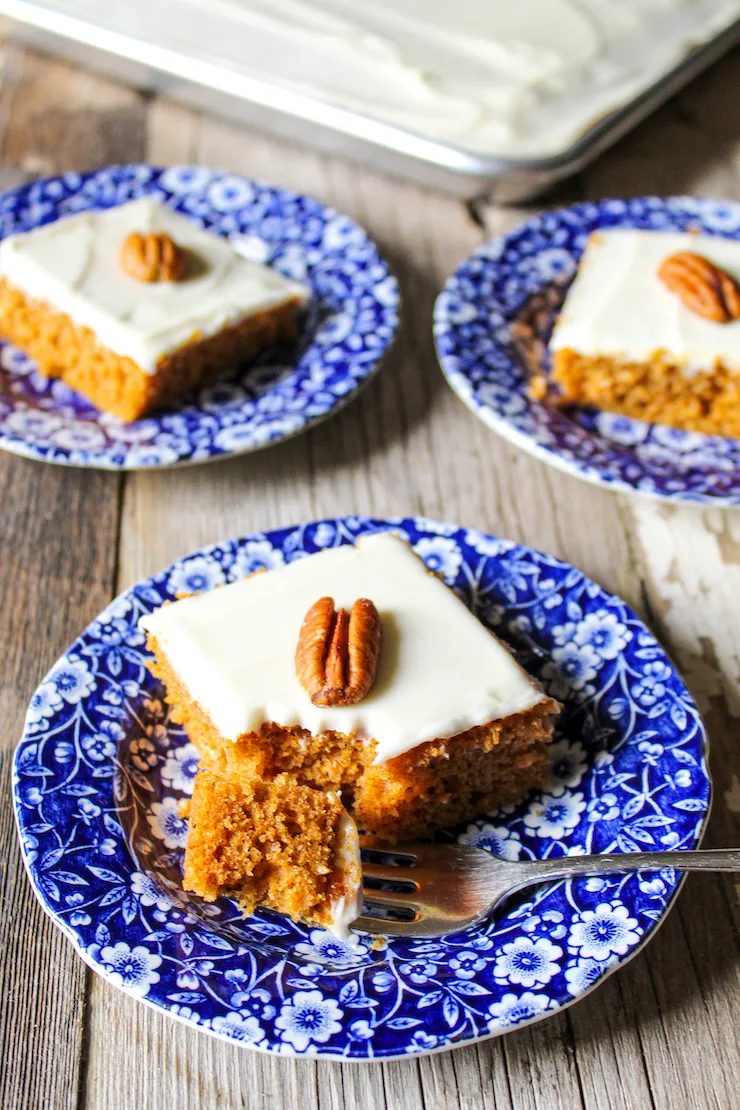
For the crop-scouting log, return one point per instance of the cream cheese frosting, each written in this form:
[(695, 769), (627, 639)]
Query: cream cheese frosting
[(618, 307), (73, 265), (440, 672), (344, 909), (522, 79)]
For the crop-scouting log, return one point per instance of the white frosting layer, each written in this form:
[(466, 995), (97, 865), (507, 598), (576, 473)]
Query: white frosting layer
[(73, 265), (618, 307), (440, 672), (348, 906), (520, 79)]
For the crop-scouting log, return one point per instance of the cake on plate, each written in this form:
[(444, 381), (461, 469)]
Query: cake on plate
[(651, 328), (352, 681), (135, 305)]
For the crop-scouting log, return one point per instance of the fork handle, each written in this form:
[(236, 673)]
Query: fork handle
[(716, 859)]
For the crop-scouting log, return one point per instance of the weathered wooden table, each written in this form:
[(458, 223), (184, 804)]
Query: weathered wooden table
[(663, 1032)]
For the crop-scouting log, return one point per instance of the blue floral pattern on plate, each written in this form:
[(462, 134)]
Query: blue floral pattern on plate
[(101, 770), (492, 294), (351, 322)]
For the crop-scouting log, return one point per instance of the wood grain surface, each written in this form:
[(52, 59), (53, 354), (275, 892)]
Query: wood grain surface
[(661, 1033)]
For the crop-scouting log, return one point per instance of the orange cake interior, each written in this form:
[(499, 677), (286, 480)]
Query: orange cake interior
[(270, 843), (115, 383), (438, 783), (657, 391)]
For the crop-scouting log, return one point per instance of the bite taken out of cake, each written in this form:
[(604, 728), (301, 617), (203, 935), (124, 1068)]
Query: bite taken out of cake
[(133, 306), (650, 328), (352, 684)]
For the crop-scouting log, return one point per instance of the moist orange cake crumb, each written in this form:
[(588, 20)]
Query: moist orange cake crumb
[(657, 391), (115, 383), (276, 844), (435, 784)]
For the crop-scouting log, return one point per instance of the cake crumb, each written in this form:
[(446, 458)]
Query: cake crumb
[(183, 808), (538, 387)]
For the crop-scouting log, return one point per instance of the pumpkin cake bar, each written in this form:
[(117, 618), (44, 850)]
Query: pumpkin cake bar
[(135, 305), (350, 682), (651, 328)]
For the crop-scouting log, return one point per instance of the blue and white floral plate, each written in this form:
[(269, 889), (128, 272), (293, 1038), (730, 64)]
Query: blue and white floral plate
[(350, 324), (492, 323), (101, 769)]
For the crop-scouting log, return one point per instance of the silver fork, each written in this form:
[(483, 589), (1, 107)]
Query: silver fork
[(442, 888)]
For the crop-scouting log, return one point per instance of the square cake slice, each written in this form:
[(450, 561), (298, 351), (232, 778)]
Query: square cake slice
[(646, 329), (134, 305), (442, 723)]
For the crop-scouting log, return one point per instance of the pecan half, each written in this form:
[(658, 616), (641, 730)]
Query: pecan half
[(336, 659), (153, 257), (703, 287)]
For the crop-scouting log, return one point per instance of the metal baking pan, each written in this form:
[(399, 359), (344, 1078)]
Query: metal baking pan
[(153, 60)]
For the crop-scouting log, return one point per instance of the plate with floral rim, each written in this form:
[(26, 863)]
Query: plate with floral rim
[(350, 323), (492, 323), (101, 769)]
